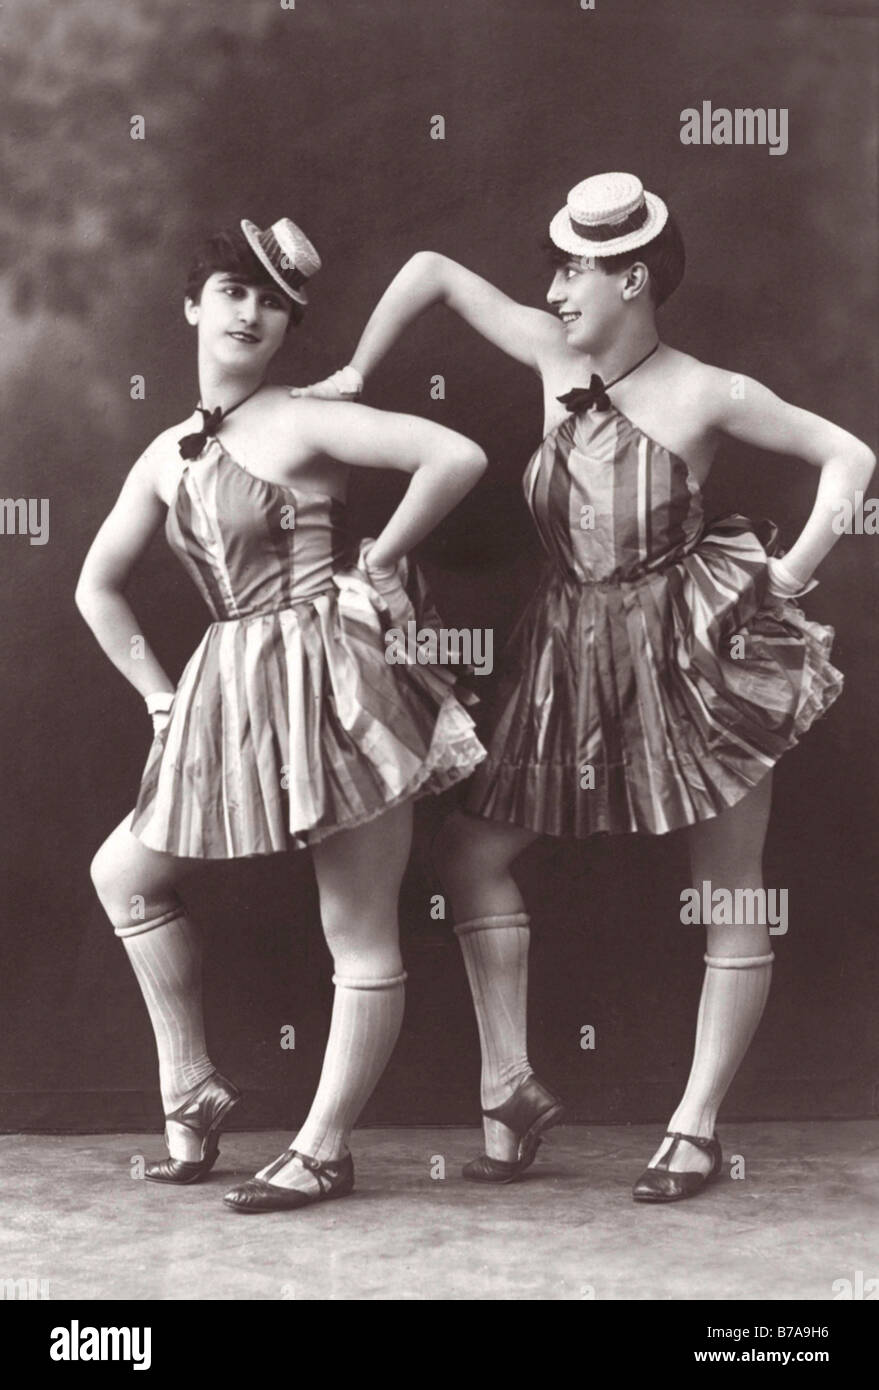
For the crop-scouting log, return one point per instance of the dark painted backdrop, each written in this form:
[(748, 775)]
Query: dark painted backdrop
[(323, 112)]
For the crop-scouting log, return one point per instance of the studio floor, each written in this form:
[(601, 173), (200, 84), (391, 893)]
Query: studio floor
[(802, 1216)]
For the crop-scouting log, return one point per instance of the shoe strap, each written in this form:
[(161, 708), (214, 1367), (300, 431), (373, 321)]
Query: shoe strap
[(697, 1139), (708, 1145), (280, 1162), (326, 1173)]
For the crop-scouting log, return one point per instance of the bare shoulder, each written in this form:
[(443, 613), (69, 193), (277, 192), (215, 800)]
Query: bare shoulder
[(703, 390), (149, 461), (166, 442), (308, 416), (277, 399), (688, 374), (278, 406), (274, 398), (717, 389), (157, 468)]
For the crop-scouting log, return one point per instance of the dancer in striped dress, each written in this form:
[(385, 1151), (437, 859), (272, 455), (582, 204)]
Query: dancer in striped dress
[(628, 645), (661, 667), (289, 727)]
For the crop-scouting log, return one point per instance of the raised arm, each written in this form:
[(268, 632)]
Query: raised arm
[(444, 465), (121, 541), (756, 415), (526, 334)]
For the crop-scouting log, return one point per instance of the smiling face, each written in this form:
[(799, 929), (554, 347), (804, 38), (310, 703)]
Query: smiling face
[(240, 324), (591, 303)]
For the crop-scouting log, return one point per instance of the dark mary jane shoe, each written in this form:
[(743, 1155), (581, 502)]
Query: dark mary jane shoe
[(530, 1110), (658, 1184), (204, 1112), (334, 1179)]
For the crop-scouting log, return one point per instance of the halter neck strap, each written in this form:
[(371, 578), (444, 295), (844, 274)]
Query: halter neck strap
[(639, 363)]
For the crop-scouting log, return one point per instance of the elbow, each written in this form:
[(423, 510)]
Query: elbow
[(471, 462), (424, 261), (87, 596), (80, 593), (867, 464), (480, 461), (861, 463), (83, 597)]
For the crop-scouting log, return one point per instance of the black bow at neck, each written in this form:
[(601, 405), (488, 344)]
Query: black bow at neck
[(585, 397), (191, 445), (594, 396)]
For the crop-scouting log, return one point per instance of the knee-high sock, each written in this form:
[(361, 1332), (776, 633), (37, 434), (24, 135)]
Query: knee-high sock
[(166, 956), (734, 994), (495, 953), (367, 1016)]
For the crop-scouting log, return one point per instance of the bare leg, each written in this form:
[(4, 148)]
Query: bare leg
[(137, 889), (475, 859), (359, 873), (726, 851)]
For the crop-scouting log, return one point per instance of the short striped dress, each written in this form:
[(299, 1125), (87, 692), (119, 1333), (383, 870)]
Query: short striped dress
[(652, 680), (288, 722)]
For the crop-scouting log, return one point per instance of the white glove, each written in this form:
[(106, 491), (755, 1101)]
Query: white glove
[(159, 706), (387, 577), (389, 583), (344, 385), (783, 583)]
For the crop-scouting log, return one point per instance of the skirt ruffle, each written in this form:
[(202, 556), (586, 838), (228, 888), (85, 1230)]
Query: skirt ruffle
[(289, 726), (652, 704)]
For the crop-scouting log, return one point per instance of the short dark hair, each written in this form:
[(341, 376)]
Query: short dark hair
[(228, 251), (664, 257)]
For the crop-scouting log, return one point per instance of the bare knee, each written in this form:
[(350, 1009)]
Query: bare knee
[(367, 915), (106, 875), (743, 941), (363, 944), (467, 855), (129, 893)]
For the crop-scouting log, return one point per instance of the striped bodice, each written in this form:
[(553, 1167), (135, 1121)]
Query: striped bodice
[(252, 546), (610, 503)]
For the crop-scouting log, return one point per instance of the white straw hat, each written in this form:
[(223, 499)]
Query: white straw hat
[(286, 253), (607, 214)]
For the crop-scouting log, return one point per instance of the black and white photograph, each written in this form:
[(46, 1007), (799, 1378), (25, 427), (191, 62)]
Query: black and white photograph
[(440, 658)]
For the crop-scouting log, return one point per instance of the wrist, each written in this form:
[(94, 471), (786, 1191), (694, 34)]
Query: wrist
[(374, 567), (380, 571), (784, 583), (790, 572)]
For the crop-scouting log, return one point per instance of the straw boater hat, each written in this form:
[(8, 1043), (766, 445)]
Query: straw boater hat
[(286, 253), (606, 215)]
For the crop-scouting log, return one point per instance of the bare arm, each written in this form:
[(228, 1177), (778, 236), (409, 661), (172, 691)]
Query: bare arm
[(762, 418), (444, 465), (113, 554), (428, 278)]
